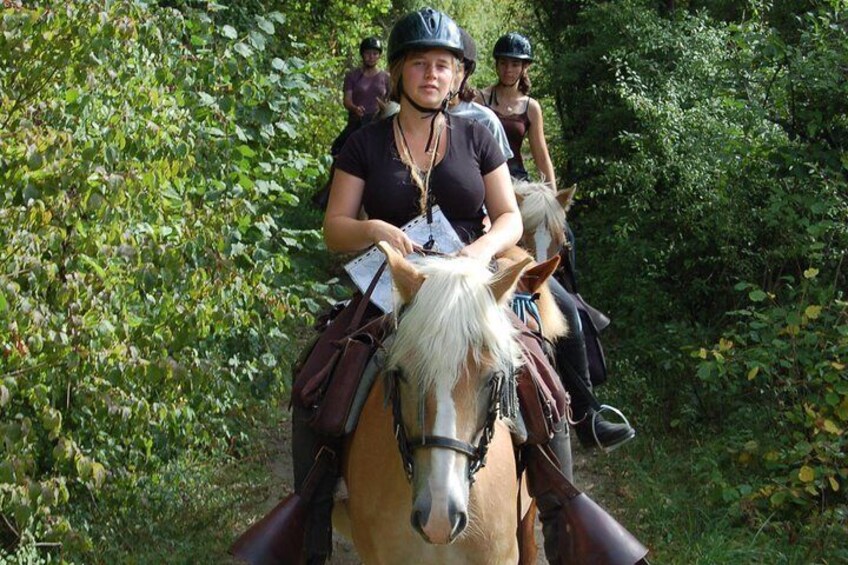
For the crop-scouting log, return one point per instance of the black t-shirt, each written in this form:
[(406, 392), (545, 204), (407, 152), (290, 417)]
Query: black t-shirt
[(456, 182)]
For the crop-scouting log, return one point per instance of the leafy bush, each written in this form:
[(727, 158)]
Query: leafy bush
[(708, 152), (708, 139), (150, 289), (775, 383)]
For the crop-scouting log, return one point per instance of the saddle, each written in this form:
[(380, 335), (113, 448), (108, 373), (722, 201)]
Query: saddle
[(543, 401), (336, 373)]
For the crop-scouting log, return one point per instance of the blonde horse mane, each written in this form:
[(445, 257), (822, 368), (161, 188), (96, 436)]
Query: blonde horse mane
[(540, 204), (453, 320)]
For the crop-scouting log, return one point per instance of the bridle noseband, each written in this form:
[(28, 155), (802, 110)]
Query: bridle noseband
[(476, 453)]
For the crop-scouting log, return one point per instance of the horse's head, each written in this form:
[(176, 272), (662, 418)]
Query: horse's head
[(452, 350), (543, 214)]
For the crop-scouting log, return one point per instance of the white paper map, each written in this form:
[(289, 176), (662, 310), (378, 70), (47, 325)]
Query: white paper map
[(363, 268)]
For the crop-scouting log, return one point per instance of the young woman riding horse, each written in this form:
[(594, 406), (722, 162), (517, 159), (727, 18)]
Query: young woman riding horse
[(392, 168), (521, 117)]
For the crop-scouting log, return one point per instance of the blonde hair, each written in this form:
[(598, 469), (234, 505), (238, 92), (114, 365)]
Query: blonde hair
[(420, 178)]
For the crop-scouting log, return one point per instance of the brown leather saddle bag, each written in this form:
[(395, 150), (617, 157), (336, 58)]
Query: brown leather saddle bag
[(327, 378), (541, 397)]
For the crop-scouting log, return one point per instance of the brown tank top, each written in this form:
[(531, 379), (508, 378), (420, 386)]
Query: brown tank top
[(516, 127)]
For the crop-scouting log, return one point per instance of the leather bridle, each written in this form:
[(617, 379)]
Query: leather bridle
[(476, 454)]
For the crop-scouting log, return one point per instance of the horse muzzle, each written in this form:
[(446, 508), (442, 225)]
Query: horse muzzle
[(439, 530)]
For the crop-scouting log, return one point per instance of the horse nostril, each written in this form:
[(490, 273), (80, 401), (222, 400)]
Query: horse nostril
[(417, 522), (459, 524)]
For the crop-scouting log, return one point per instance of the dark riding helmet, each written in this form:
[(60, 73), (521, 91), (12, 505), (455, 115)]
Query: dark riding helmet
[(515, 46), (371, 43), (426, 28), (469, 52)]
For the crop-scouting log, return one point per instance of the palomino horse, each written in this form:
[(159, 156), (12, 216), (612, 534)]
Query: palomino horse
[(543, 214), (431, 423)]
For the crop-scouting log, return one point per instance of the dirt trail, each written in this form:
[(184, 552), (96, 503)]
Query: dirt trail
[(343, 551)]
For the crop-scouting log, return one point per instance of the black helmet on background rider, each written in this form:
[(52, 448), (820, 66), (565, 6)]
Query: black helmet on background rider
[(370, 43), (469, 52), (515, 46), (426, 28)]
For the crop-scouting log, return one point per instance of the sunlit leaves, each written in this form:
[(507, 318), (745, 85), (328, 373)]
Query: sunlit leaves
[(136, 144)]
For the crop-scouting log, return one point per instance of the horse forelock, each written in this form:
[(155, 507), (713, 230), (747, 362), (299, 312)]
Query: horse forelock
[(539, 206), (452, 321)]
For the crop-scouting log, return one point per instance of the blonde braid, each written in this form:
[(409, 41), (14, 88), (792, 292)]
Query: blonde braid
[(415, 173)]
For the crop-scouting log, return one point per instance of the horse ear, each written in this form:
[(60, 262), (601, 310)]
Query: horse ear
[(565, 197), (503, 283), (407, 278), (536, 276)]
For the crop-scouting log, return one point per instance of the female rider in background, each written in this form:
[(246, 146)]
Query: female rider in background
[(521, 117)]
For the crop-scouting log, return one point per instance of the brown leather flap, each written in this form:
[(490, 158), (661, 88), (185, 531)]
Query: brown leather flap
[(596, 538), (277, 539), (340, 387)]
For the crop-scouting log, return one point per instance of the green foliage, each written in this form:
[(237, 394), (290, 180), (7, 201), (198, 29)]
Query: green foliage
[(776, 383), (672, 496), (151, 277), (708, 139)]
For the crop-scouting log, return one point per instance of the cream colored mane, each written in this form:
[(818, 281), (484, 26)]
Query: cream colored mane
[(539, 206), (452, 321)]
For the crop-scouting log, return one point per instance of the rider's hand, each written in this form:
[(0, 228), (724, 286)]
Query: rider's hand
[(359, 110), (475, 252), (379, 230)]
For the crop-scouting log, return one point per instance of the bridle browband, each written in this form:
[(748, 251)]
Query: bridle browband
[(476, 453)]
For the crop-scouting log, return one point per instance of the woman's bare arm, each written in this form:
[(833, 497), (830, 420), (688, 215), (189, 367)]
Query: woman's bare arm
[(538, 145), (344, 232)]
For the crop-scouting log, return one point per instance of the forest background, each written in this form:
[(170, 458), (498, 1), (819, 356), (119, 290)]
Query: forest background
[(160, 263)]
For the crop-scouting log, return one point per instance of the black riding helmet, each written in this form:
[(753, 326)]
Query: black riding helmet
[(370, 43), (469, 52), (426, 28), (515, 46)]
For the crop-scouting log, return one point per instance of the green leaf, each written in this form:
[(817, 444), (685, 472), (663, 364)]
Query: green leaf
[(813, 311), (757, 295), (778, 498), (246, 151), (34, 159), (243, 49), (94, 265), (265, 25), (229, 32), (807, 474), (206, 99), (257, 40)]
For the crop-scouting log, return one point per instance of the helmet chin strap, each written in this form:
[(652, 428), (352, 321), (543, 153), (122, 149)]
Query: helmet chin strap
[(431, 113)]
